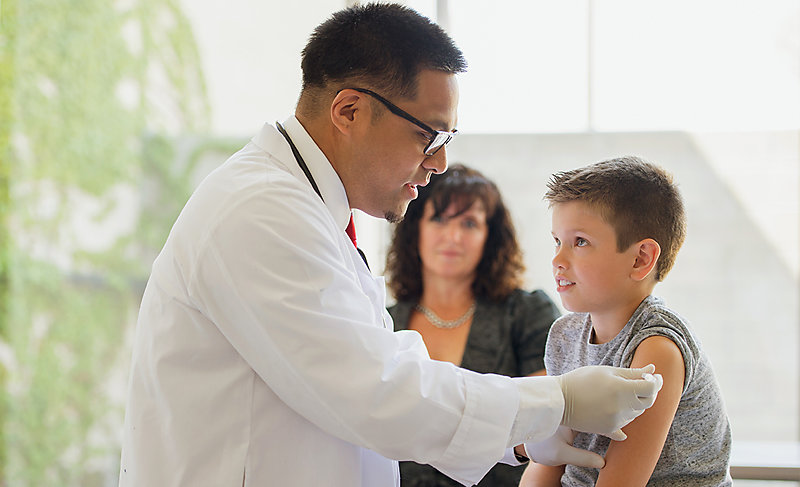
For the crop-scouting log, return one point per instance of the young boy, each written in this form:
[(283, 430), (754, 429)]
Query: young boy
[(617, 226)]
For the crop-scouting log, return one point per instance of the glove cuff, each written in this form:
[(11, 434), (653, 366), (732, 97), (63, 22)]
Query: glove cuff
[(521, 458), (512, 458)]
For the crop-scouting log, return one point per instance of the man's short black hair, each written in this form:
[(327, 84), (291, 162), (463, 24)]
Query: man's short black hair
[(380, 44)]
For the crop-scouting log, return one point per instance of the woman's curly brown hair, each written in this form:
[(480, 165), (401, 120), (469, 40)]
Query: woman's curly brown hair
[(500, 269)]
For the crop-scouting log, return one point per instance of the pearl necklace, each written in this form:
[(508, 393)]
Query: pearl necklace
[(440, 323)]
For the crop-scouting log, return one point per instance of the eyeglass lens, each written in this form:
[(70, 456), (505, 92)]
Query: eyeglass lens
[(437, 142)]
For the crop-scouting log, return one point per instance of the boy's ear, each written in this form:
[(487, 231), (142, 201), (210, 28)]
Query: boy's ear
[(647, 253)]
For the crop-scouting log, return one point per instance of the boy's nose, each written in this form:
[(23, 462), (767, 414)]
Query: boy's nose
[(558, 261)]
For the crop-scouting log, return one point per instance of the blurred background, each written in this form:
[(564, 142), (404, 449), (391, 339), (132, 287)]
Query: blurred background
[(111, 112)]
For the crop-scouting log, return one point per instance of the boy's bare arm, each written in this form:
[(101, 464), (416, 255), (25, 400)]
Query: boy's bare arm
[(536, 475), (631, 462)]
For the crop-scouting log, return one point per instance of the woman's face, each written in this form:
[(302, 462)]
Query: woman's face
[(451, 245)]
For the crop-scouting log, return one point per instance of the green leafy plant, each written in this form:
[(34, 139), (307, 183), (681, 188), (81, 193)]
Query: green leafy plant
[(92, 94)]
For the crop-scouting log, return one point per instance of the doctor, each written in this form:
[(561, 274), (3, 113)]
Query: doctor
[(263, 353)]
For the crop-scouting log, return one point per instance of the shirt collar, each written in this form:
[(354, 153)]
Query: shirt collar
[(328, 182)]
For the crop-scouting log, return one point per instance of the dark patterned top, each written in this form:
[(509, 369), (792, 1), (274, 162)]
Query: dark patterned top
[(505, 338)]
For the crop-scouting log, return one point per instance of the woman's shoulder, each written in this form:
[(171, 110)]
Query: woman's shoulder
[(531, 300), (530, 309), (534, 294), (400, 312)]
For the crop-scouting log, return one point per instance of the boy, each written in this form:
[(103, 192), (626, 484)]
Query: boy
[(617, 226)]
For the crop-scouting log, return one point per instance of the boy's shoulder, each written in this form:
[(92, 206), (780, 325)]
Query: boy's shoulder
[(654, 314), (654, 318)]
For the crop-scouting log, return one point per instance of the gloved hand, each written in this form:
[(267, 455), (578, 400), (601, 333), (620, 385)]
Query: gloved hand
[(558, 450), (602, 399)]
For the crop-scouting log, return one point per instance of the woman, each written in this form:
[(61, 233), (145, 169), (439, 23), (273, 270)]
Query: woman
[(455, 268)]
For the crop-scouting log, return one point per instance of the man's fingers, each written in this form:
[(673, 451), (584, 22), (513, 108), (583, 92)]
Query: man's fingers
[(618, 436), (588, 459), (637, 373), (647, 389), (602, 399), (558, 450), (583, 458), (648, 369)]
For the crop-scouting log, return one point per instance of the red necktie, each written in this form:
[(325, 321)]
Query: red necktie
[(351, 231)]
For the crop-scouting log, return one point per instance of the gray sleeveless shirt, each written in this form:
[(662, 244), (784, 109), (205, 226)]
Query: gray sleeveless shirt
[(697, 448)]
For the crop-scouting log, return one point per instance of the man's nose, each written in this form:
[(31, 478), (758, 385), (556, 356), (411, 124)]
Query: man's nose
[(436, 163)]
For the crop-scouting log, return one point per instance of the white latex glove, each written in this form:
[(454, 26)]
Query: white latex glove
[(602, 399), (558, 450)]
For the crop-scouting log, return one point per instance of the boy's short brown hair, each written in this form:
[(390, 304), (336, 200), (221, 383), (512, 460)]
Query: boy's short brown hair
[(637, 198)]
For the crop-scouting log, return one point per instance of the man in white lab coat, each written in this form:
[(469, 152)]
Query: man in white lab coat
[(263, 353)]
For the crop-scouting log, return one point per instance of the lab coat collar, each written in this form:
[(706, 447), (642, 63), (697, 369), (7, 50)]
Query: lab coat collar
[(331, 187)]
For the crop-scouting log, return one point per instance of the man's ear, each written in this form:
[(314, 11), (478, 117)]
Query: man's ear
[(345, 108), (647, 253)]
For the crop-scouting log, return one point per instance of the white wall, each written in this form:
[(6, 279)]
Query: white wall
[(251, 57)]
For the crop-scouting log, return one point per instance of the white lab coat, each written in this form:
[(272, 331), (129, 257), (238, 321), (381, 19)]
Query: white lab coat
[(264, 355)]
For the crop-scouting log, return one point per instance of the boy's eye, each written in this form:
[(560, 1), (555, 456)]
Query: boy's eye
[(581, 242), (557, 242)]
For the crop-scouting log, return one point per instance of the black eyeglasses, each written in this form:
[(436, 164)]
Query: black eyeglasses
[(438, 138)]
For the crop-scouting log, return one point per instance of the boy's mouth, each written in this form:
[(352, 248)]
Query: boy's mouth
[(563, 282)]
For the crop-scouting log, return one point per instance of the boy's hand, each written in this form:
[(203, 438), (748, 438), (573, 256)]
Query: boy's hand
[(602, 399), (558, 450)]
